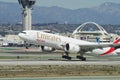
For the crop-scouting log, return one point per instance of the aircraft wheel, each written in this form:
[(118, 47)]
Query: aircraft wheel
[(66, 57), (69, 58), (81, 58)]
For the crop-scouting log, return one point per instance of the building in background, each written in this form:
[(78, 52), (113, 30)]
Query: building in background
[(93, 32)]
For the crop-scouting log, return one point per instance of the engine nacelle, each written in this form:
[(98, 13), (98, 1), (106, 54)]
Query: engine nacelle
[(47, 49), (72, 48)]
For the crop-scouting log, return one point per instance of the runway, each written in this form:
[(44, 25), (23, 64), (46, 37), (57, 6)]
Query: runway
[(9, 56), (49, 62), (18, 63), (68, 78)]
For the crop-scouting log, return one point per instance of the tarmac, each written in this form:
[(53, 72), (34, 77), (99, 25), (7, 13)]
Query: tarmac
[(52, 62), (12, 60), (36, 57), (69, 78)]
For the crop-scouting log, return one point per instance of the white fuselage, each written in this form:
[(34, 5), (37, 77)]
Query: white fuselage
[(58, 42), (51, 40)]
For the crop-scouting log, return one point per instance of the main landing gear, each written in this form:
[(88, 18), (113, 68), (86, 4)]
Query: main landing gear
[(66, 56), (81, 57)]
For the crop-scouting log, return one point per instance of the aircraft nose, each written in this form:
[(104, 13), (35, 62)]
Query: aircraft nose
[(21, 35)]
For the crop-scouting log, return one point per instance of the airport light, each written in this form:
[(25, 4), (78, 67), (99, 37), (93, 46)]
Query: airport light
[(27, 13)]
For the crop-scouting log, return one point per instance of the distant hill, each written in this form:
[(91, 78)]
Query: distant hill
[(107, 13), (10, 12)]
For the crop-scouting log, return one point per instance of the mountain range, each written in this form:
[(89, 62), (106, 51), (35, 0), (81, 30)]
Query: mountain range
[(107, 13)]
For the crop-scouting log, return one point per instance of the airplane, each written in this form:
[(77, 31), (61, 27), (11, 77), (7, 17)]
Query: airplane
[(49, 41)]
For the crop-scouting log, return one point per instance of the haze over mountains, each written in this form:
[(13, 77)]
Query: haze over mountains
[(107, 13)]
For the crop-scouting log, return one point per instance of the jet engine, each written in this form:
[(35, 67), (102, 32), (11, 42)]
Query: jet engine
[(72, 48), (47, 49)]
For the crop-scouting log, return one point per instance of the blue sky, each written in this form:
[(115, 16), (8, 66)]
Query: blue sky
[(72, 4)]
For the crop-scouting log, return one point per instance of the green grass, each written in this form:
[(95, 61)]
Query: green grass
[(8, 48)]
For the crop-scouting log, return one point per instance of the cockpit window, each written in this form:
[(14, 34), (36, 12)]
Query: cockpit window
[(23, 32)]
